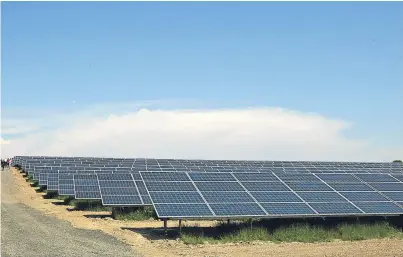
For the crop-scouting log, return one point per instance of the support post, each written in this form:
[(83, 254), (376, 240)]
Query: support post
[(228, 221), (180, 227), (251, 223), (165, 227)]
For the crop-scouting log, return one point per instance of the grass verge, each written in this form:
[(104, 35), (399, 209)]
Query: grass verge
[(136, 213), (306, 232)]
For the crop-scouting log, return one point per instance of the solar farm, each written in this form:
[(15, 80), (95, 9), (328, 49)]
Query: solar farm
[(224, 190)]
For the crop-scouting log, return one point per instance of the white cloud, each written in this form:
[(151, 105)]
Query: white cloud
[(250, 133)]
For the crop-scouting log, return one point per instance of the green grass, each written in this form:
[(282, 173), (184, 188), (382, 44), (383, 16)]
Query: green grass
[(34, 183), (41, 189), (53, 195), (303, 233), (29, 178), (88, 205), (307, 232), (351, 232), (65, 198), (141, 213), (50, 194)]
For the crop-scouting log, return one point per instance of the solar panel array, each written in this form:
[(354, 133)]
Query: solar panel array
[(220, 189), (220, 195)]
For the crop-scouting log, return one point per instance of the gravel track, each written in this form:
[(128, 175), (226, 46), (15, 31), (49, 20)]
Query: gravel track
[(27, 232)]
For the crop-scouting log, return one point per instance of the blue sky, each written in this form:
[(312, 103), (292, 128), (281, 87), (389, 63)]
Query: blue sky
[(341, 60)]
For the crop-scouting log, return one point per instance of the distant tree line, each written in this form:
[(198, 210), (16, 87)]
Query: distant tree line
[(397, 161)]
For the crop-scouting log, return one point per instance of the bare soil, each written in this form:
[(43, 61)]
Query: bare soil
[(143, 235)]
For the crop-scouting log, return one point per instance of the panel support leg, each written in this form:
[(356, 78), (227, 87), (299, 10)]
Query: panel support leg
[(228, 221), (180, 227), (165, 227), (251, 223)]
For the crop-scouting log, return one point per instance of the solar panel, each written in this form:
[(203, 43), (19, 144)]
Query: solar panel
[(273, 197), (237, 209), (86, 186), (218, 195), (176, 197), (43, 179), (288, 209), (195, 210), (119, 189), (387, 186), (53, 182), (379, 207), (344, 208), (364, 196)]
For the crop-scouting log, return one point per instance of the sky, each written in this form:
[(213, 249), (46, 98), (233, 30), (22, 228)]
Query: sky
[(209, 80)]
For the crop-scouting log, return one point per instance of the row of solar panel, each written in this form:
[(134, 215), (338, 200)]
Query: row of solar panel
[(37, 171), (210, 162), (121, 190), (183, 194), (183, 166), (33, 169), (37, 174), (180, 194)]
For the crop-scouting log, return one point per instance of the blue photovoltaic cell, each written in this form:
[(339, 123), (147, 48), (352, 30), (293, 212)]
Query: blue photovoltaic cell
[(66, 184), (376, 178), (363, 196), (164, 176), (183, 210), (335, 208), (141, 187), (85, 182), (387, 186), (115, 177), (395, 196), (275, 197), (136, 176), (321, 197), (379, 207), (398, 177), (308, 186), (211, 176), (346, 178), (53, 182), (122, 200), (350, 187), (119, 190), (87, 194), (86, 187), (265, 186), (43, 179), (287, 209), (238, 209), (255, 177), (116, 183), (219, 186), (297, 177), (67, 189), (146, 199), (176, 197), (169, 186), (227, 197)]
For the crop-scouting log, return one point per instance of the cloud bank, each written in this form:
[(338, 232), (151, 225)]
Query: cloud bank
[(246, 134)]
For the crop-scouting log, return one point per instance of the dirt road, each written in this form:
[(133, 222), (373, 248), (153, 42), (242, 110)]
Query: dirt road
[(27, 232)]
